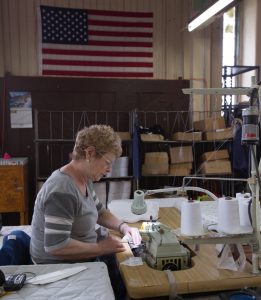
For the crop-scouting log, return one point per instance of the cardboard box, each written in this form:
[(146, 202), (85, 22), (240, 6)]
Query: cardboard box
[(187, 136), (124, 135), (214, 155), (221, 134), (180, 171), (187, 165), (155, 169), (156, 158), (151, 137), (221, 166), (209, 124), (181, 154)]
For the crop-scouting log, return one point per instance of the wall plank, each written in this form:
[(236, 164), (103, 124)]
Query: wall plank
[(176, 52), (20, 33), (2, 67), (6, 37)]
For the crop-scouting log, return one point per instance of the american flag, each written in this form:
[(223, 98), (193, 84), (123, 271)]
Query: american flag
[(95, 43)]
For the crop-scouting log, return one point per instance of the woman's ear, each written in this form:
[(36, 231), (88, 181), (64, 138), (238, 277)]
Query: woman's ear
[(90, 152)]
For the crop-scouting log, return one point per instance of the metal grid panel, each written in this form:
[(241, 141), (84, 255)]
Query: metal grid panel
[(55, 132)]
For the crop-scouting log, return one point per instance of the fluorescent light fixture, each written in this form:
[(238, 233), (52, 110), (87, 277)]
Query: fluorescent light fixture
[(208, 14)]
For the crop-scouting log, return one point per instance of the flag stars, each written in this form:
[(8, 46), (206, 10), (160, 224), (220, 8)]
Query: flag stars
[(64, 26)]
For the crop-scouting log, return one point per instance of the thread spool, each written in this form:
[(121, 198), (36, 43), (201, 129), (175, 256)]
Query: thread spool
[(191, 218), (228, 215), (243, 195), (139, 205), (244, 215), (243, 201)]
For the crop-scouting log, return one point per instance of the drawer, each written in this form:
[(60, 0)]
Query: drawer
[(12, 193), (11, 176), (11, 202)]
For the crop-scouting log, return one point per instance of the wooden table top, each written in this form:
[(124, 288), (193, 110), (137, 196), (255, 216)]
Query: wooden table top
[(145, 282)]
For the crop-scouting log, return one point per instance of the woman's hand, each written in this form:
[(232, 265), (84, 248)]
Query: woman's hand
[(111, 245), (131, 231)]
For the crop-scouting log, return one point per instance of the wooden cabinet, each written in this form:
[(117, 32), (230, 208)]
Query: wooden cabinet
[(13, 187)]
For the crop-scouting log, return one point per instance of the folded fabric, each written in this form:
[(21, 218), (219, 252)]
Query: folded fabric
[(56, 275), (15, 249)]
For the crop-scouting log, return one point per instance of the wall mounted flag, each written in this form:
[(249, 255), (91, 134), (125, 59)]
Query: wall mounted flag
[(95, 43)]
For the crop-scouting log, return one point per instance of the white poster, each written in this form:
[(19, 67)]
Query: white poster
[(20, 104)]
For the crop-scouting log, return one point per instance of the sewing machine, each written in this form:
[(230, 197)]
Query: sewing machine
[(163, 251), (162, 243)]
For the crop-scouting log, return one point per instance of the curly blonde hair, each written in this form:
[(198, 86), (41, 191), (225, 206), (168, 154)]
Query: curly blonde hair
[(102, 137)]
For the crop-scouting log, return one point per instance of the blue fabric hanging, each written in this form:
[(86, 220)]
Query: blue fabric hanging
[(240, 154)]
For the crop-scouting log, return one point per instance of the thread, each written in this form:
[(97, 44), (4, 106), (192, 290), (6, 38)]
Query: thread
[(228, 215), (191, 218)]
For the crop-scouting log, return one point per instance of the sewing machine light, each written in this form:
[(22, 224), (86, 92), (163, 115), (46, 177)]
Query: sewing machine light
[(139, 205)]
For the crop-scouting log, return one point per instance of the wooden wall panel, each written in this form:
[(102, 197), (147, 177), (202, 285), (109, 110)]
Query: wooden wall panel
[(2, 67), (173, 54), (14, 28), (6, 37), (73, 94)]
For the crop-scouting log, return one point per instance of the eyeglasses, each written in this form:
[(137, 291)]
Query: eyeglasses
[(108, 162)]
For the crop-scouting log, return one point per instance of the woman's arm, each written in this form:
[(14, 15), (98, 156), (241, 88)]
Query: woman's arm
[(77, 250), (108, 220)]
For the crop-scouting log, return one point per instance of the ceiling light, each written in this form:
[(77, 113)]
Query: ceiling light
[(208, 14)]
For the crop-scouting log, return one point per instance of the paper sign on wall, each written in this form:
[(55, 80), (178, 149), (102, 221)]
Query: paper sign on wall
[(20, 104)]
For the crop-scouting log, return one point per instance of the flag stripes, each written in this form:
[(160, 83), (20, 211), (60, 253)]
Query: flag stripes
[(117, 44)]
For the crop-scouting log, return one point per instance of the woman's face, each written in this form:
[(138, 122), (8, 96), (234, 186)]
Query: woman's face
[(100, 166)]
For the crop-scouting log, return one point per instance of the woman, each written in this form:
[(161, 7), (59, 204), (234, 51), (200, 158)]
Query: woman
[(67, 209)]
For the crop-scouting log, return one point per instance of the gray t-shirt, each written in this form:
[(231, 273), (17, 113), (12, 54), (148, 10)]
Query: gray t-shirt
[(62, 213)]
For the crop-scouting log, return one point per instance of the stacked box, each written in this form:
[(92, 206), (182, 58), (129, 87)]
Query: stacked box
[(215, 162), (124, 135), (156, 163), (210, 124), (181, 154), (214, 155), (179, 170), (214, 129), (220, 134), (220, 166), (151, 137), (187, 136), (181, 159)]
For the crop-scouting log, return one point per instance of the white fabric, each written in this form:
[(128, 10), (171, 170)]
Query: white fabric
[(122, 210), (56, 275), (93, 283)]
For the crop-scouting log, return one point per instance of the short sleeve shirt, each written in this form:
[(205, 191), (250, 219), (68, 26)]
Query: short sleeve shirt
[(62, 213)]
